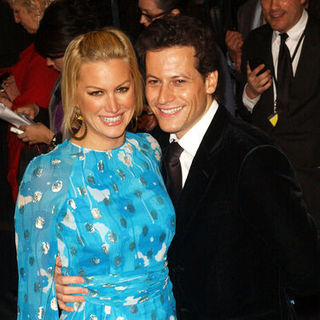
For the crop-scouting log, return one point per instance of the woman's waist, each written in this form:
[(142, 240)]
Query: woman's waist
[(129, 287)]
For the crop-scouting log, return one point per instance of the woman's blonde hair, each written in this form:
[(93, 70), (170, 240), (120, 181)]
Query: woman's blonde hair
[(102, 45)]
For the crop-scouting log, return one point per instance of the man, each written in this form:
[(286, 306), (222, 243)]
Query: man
[(243, 242), (151, 10), (287, 108)]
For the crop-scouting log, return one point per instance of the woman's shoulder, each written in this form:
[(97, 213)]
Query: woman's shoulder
[(144, 142), (57, 158), (143, 139), (47, 176)]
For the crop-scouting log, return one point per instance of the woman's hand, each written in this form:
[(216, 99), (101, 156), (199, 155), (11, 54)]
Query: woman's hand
[(30, 110), (36, 133), (66, 293), (5, 100)]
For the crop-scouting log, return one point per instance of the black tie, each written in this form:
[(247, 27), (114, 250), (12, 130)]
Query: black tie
[(173, 169), (284, 74)]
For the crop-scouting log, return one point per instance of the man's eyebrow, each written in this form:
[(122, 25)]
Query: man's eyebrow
[(172, 77), (151, 75)]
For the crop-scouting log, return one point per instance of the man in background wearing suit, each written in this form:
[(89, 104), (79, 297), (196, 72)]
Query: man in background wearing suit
[(288, 108), (243, 242)]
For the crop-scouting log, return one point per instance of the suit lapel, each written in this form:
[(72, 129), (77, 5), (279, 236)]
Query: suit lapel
[(202, 171), (310, 49)]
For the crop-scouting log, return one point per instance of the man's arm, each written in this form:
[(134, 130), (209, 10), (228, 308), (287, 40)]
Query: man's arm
[(271, 201), (65, 291)]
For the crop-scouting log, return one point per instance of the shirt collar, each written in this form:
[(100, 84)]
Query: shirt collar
[(296, 31), (191, 139)]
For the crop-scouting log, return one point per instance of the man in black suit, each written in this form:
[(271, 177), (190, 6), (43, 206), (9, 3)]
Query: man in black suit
[(243, 243), (294, 125)]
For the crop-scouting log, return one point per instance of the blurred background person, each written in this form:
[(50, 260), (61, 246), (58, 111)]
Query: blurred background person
[(63, 20), (30, 83)]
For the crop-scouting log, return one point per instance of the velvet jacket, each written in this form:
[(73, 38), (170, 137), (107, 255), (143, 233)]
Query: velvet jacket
[(244, 244)]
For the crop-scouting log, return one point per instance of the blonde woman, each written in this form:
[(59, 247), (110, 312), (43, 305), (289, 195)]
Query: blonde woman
[(98, 200)]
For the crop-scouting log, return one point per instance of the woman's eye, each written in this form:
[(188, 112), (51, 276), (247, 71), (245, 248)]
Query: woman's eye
[(95, 93), (123, 89)]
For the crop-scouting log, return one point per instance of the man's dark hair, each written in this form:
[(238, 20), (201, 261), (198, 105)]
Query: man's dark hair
[(181, 30), (62, 21)]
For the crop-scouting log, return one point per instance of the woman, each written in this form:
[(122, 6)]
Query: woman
[(97, 200), (30, 82), (62, 21)]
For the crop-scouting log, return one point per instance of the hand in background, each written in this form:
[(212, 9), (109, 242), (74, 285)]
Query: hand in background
[(36, 133), (66, 293), (5, 100), (11, 88), (30, 110), (234, 42), (257, 83)]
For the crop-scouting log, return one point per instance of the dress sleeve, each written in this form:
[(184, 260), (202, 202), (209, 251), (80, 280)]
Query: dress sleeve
[(36, 242)]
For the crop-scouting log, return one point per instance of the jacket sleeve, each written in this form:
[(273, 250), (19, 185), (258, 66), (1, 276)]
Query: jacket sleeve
[(36, 242), (36, 82), (271, 201)]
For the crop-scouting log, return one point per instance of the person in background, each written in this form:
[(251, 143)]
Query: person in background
[(98, 200), (30, 83), (282, 95), (63, 20), (151, 10), (289, 114)]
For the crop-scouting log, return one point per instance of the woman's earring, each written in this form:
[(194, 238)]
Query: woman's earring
[(80, 122)]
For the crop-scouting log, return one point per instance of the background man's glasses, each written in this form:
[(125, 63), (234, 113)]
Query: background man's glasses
[(151, 18)]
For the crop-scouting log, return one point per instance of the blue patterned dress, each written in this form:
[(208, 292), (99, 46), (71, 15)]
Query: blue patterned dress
[(109, 217)]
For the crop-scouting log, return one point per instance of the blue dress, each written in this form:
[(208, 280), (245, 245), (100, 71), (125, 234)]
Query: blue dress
[(109, 217)]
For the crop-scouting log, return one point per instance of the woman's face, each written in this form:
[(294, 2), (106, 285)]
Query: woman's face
[(105, 97), (55, 63), (28, 20)]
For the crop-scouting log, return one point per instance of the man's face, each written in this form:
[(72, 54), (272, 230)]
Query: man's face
[(176, 92), (282, 15)]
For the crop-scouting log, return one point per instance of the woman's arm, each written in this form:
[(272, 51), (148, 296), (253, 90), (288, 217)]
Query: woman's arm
[(36, 243)]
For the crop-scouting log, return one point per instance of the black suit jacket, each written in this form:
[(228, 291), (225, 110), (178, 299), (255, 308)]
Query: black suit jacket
[(298, 129), (243, 241)]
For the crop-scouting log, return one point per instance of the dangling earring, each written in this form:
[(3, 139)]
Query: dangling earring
[(78, 122)]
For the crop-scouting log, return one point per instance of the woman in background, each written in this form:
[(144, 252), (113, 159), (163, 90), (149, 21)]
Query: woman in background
[(97, 200), (62, 21), (30, 81)]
